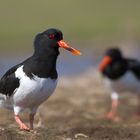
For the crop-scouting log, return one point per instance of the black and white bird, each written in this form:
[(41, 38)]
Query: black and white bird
[(121, 75), (28, 84)]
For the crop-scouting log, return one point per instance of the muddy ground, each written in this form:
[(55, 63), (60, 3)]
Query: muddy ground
[(75, 111)]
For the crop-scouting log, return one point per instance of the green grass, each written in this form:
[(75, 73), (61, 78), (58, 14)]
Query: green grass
[(78, 19)]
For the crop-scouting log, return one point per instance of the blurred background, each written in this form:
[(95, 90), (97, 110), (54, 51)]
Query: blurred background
[(90, 26)]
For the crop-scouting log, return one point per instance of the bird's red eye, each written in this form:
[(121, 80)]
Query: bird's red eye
[(52, 36)]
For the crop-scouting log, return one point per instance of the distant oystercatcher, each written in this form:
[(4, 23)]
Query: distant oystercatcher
[(28, 84), (121, 75)]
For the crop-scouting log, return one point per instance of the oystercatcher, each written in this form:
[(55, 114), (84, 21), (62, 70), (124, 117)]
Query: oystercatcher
[(28, 84), (121, 75)]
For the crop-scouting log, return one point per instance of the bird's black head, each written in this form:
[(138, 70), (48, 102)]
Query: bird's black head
[(111, 55), (46, 42), (54, 34), (49, 42), (115, 53)]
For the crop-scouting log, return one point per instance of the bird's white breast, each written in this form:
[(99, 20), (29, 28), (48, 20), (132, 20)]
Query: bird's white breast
[(128, 83), (32, 92)]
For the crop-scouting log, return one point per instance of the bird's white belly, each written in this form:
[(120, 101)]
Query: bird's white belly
[(32, 92), (128, 83)]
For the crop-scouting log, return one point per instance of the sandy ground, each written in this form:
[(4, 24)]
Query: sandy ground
[(75, 111)]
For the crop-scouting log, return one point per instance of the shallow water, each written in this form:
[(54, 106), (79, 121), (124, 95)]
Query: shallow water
[(67, 64)]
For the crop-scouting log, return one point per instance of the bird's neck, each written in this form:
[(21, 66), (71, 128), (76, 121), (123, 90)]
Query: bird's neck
[(43, 66)]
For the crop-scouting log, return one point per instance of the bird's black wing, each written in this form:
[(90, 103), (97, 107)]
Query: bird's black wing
[(9, 82), (134, 67)]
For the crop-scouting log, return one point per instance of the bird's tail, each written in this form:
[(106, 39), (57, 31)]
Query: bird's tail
[(2, 99), (4, 102)]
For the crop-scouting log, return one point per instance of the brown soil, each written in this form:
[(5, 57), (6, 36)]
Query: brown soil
[(74, 112)]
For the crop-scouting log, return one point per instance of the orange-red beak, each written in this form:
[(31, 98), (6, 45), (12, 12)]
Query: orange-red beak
[(64, 45), (106, 61)]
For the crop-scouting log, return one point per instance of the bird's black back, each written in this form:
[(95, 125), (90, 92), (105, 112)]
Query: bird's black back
[(134, 67)]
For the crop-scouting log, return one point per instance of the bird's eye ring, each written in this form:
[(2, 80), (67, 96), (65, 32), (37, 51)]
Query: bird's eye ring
[(51, 36)]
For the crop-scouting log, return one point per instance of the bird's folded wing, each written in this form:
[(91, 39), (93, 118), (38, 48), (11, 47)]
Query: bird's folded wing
[(9, 82)]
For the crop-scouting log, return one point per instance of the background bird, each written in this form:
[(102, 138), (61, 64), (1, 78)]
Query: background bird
[(28, 84), (121, 75)]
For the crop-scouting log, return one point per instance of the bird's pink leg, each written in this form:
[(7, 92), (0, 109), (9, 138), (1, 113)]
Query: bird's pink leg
[(113, 112), (31, 118), (21, 124)]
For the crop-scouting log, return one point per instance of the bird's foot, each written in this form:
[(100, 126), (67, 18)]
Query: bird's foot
[(24, 127), (21, 124), (112, 117)]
